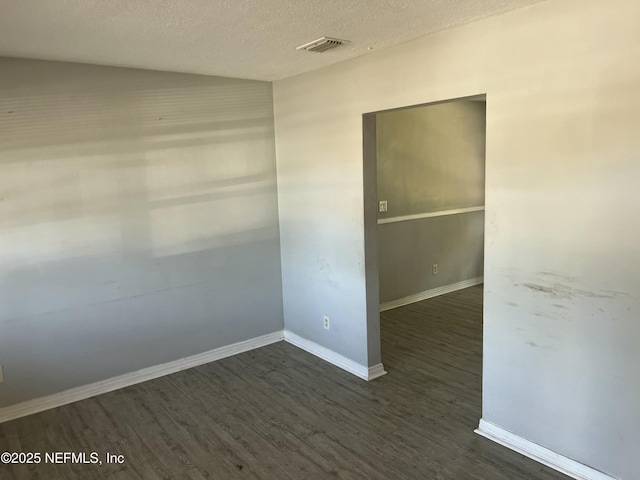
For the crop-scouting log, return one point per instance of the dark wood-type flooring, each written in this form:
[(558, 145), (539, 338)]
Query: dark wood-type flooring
[(280, 413)]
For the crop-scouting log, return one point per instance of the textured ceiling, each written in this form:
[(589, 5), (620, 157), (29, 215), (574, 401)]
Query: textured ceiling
[(234, 38)]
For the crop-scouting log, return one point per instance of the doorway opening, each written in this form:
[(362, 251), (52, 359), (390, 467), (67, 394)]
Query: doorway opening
[(424, 177)]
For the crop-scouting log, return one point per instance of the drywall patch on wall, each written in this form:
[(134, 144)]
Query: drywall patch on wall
[(559, 290)]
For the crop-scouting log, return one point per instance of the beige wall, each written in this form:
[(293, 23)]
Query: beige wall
[(562, 270), (138, 221)]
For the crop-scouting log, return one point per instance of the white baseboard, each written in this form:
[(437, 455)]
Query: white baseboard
[(366, 373), (41, 404), (87, 391), (434, 292), (540, 454), (376, 371)]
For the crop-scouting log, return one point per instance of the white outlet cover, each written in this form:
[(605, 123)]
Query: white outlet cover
[(382, 205)]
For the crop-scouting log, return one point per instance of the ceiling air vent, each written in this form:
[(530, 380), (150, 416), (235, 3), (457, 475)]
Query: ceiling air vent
[(322, 44)]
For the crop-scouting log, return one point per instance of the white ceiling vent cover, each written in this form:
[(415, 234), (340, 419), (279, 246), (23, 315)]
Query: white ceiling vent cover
[(322, 44)]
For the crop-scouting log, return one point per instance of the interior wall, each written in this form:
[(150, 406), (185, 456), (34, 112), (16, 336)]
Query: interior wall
[(561, 259), (408, 250), (430, 160), (138, 221)]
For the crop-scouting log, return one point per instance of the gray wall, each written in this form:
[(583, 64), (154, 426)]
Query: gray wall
[(138, 221), (408, 250), (562, 263), (430, 159)]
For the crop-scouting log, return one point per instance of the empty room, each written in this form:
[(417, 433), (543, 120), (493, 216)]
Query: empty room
[(209, 222)]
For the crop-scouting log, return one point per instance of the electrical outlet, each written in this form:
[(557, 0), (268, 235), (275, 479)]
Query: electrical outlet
[(1, 374), (434, 269), (327, 324), (382, 205)]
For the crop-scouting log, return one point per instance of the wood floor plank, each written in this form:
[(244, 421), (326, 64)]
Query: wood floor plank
[(280, 413)]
